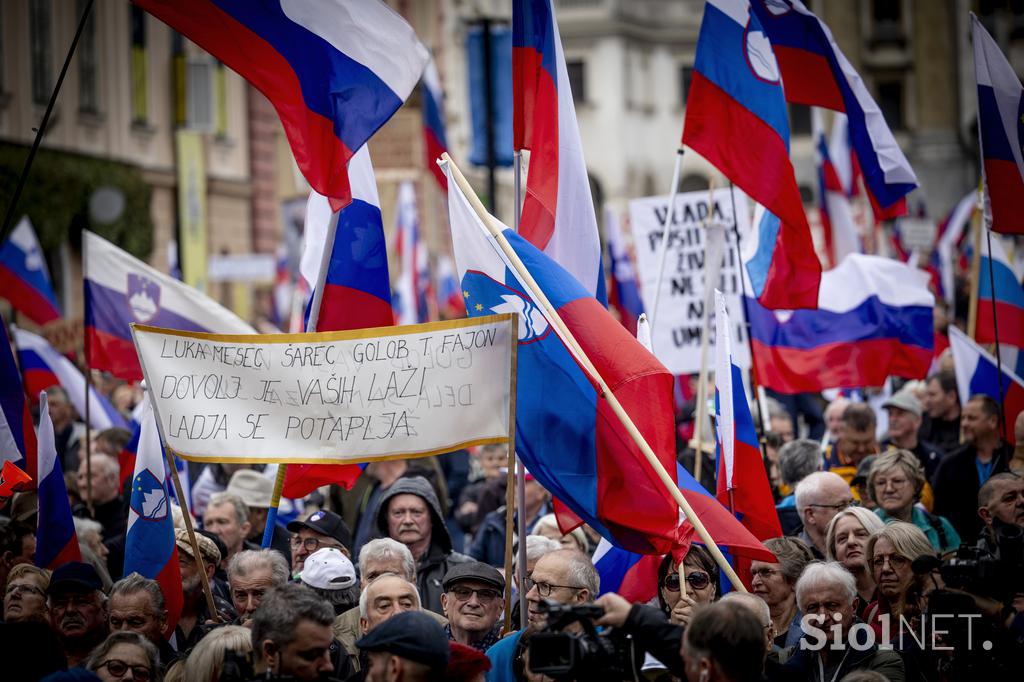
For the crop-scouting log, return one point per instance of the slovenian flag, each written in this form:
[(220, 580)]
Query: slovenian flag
[(999, 96), (121, 289), (24, 279), (149, 548), (56, 542), (558, 212), (736, 118), (875, 320), (977, 372), (335, 70), (42, 366)]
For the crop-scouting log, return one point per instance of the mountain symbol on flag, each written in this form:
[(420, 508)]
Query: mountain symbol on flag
[(143, 297), (148, 493), (500, 298)]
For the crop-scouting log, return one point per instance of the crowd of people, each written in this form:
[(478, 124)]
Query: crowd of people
[(901, 558)]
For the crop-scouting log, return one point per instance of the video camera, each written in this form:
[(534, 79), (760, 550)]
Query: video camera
[(994, 569), (586, 655)]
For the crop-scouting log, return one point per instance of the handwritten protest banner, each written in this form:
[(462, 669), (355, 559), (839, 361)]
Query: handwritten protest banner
[(333, 397), (677, 330)]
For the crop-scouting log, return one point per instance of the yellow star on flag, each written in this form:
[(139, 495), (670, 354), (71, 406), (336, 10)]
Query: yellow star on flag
[(465, 294), (479, 307)]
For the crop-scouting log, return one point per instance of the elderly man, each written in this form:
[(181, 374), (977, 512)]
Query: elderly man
[(331, 575), (107, 506), (291, 634), (227, 516), (194, 609), (1000, 503), (410, 647), (78, 610), (904, 424), (856, 441), (819, 497), (825, 593), (410, 513), (322, 529), (964, 470), (473, 600), (251, 574), (940, 423), (567, 577), (137, 604), (834, 417), (255, 490), (798, 459)]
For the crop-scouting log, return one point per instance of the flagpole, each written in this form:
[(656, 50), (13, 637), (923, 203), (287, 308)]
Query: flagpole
[(577, 351), (995, 331), (665, 230), (275, 502), (9, 218), (972, 312), (705, 332), (517, 215), (510, 504), (86, 346)]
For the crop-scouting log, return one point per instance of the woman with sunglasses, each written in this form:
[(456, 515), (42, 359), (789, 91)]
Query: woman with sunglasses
[(701, 584), (125, 656), (775, 583)]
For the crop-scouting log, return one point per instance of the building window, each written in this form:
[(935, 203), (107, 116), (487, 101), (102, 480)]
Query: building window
[(577, 73), (799, 119), (88, 88), (140, 100), (890, 101), (40, 20), (685, 78), (887, 23), (220, 90)]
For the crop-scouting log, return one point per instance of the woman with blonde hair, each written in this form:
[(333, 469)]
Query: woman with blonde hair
[(846, 541), (895, 483), (206, 661), (891, 552), (25, 594)]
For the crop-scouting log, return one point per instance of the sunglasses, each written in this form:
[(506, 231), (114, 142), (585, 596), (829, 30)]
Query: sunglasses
[(118, 668), (698, 580)]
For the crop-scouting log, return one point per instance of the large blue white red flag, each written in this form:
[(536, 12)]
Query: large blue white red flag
[(43, 366), (742, 478), (999, 127), (624, 296), (566, 434), (17, 434), (736, 118), (414, 291), (435, 142), (56, 542), (817, 73), (978, 373), (121, 289), (875, 320), (24, 279), (838, 227), (335, 70), (1000, 308), (558, 212), (149, 547)]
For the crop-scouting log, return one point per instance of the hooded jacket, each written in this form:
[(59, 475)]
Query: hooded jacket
[(439, 557)]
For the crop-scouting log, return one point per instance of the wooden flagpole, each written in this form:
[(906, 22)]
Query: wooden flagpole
[(972, 311), (524, 275), (517, 213), (510, 489)]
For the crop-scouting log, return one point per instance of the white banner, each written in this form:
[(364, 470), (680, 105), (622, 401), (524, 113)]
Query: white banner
[(334, 397), (677, 329)]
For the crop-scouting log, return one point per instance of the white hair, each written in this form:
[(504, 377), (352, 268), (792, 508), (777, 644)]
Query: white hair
[(537, 546), (363, 599), (551, 521), (753, 601), (825, 573), (86, 526), (107, 463), (249, 560), (383, 549), (812, 486)]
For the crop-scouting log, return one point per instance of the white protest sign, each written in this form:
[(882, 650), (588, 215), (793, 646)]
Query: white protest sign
[(334, 397), (677, 330)]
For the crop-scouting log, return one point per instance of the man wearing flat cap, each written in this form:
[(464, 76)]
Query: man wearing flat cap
[(192, 624), (322, 529), (473, 600), (256, 490), (78, 609), (409, 646)]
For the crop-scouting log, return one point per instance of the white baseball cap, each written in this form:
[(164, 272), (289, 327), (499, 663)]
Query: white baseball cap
[(328, 569)]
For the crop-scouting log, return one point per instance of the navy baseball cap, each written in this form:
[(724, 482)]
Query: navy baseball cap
[(74, 576), (412, 635), (326, 523)]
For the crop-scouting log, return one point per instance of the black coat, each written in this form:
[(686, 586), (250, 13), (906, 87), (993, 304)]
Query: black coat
[(956, 487)]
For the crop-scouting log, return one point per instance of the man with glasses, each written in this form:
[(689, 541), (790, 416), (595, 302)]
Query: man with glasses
[(473, 600), (78, 610), (819, 497), (322, 529)]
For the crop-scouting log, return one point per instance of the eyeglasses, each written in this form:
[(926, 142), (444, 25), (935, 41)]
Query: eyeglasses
[(896, 561), (698, 580), (838, 506), (118, 668), (545, 589), (764, 573), (485, 595), (311, 544), (20, 587)]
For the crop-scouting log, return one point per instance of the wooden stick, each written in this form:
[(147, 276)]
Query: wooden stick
[(972, 311), (666, 230), (526, 278), (705, 332), (682, 578), (510, 504)]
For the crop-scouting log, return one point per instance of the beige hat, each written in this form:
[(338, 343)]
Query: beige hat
[(24, 506), (254, 488), (905, 400), (207, 547)]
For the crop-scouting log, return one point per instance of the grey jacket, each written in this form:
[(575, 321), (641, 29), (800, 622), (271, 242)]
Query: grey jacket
[(436, 561)]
